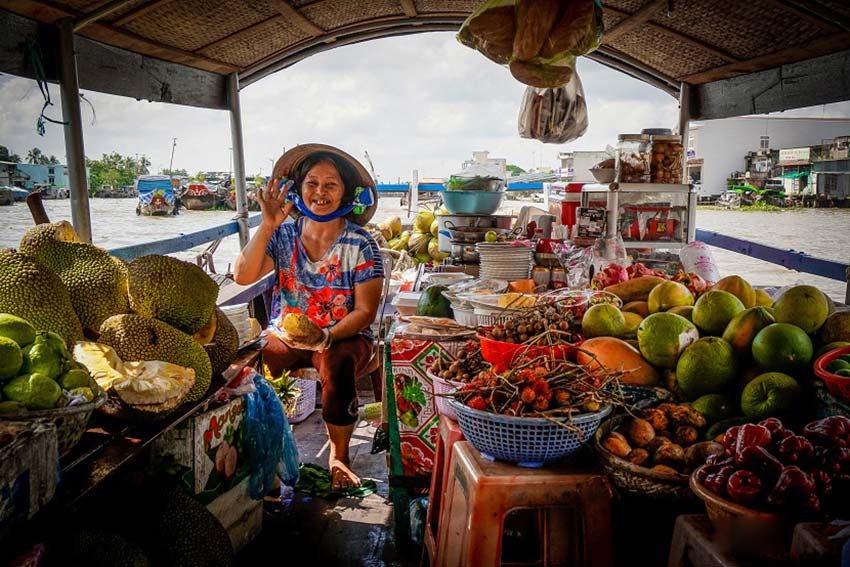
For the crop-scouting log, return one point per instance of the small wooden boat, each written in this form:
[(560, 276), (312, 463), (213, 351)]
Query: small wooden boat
[(156, 196), (199, 197)]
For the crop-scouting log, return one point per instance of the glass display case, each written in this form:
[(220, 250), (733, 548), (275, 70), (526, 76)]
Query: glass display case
[(646, 215)]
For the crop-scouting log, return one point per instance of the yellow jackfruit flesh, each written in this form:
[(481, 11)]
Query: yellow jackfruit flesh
[(135, 337), (154, 382), (96, 282), (176, 292), (102, 362), (301, 328), (32, 291)]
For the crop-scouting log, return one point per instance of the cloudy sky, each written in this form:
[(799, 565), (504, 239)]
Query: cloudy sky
[(418, 102)]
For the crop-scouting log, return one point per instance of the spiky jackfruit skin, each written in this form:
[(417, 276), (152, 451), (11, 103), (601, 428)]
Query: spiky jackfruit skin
[(32, 291), (225, 342), (138, 338), (96, 281), (168, 289)]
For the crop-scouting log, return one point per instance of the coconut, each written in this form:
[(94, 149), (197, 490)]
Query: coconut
[(422, 222)]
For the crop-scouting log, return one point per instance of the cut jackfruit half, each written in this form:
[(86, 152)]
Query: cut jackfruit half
[(153, 382), (102, 362)]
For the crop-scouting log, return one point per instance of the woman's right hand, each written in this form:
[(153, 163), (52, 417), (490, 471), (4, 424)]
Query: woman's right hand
[(273, 203)]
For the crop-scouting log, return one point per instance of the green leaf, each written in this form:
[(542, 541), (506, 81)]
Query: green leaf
[(412, 392)]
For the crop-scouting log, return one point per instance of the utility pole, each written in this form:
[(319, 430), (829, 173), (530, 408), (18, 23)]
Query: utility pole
[(171, 163)]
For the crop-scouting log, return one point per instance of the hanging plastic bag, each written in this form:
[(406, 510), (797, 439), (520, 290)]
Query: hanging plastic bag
[(538, 40), (554, 116)]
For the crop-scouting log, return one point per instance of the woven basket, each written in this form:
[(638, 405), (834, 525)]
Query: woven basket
[(637, 480), (305, 404), (526, 441), (441, 402), (70, 422)]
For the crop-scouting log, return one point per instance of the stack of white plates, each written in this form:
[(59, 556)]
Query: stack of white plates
[(504, 261), (239, 316)]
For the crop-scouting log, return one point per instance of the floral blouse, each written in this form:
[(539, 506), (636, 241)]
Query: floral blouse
[(323, 290)]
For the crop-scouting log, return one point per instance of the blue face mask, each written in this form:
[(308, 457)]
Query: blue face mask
[(363, 199)]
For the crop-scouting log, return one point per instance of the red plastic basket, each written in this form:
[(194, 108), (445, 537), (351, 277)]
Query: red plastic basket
[(838, 386), (502, 355)]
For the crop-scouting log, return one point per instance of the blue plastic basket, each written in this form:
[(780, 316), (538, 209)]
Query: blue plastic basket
[(526, 441)]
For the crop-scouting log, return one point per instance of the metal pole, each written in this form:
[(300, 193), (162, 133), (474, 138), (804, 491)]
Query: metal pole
[(684, 120), (238, 158), (74, 150)]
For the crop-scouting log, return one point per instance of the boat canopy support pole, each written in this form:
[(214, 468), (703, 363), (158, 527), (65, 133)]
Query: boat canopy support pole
[(685, 115), (71, 115), (238, 158)]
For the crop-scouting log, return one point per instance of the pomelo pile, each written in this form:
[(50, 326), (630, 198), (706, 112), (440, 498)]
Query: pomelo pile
[(729, 349), (421, 243)]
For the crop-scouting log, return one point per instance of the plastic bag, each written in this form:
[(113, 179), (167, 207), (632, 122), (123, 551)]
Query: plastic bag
[(554, 116), (538, 40), (270, 444)]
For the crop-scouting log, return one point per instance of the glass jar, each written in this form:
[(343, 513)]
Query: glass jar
[(633, 158), (540, 275), (667, 161), (558, 278)]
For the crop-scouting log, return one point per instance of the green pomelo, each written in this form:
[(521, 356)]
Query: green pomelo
[(828, 347), (715, 407), (667, 295), (770, 394), (804, 306), (783, 348), (743, 328), (844, 372), (837, 365), (686, 311), (11, 359), (603, 320), (663, 336), (17, 329), (706, 367), (713, 311), (836, 328)]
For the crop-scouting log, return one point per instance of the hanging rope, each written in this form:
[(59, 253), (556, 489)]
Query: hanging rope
[(35, 56)]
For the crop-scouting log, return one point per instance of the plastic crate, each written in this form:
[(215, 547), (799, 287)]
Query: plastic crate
[(305, 405), (526, 441)]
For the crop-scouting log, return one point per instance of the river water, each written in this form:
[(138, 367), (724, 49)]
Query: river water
[(819, 232)]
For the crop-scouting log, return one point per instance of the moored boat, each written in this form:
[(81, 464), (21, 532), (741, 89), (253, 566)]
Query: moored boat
[(199, 197), (156, 196)]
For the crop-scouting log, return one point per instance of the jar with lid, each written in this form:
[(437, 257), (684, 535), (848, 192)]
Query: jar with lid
[(667, 161), (540, 275), (633, 158), (558, 277)]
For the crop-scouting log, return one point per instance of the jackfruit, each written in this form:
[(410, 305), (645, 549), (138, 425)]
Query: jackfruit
[(176, 292), (101, 549), (96, 281), (139, 338), (205, 335), (302, 329), (222, 349), (101, 361), (32, 291), (154, 386)]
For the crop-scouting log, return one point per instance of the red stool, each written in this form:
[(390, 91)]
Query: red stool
[(572, 503), (449, 434)]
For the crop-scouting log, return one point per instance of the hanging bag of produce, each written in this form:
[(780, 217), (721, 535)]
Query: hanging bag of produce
[(554, 116), (538, 40)]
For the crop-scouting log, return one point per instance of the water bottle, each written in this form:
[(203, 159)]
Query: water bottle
[(696, 257)]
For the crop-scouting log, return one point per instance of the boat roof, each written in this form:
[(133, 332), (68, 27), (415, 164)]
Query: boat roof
[(738, 57)]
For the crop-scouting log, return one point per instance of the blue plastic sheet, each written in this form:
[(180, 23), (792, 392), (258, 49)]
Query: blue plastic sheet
[(269, 441)]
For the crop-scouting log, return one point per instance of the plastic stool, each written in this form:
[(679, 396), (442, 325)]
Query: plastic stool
[(572, 502), (449, 434)]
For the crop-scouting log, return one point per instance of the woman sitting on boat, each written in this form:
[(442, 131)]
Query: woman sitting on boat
[(327, 268)]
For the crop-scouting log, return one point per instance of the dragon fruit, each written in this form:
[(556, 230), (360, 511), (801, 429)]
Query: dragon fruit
[(610, 275), (694, 282)]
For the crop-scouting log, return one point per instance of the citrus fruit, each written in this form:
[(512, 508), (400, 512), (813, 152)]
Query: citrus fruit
[(667, 295), (686, 311), (744, 327), (843, 372), (632, 322), (706, 367), (763, 298), (836, 328), (782, 347), (663, 336), (770, 394), (603, 320), (491, 236), (739, 287), (715, 407), (17, 329), (11, 358), (837, 365), (713, 311), (802, 305)]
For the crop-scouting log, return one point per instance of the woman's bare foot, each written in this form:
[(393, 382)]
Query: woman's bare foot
[(341, 476), (338, 462)]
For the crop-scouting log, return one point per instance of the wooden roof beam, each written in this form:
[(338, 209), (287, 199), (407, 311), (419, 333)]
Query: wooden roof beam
[(813, 48), (812, 15), (99, 13), (409, 8), (139, 11), (297, 18), (720, 54), (633, 21)]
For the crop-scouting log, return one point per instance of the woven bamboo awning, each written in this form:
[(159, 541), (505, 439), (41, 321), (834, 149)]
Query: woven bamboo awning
[(667, 42)]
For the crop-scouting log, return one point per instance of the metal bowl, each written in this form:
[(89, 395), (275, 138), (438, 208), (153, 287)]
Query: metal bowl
[(472, 202)]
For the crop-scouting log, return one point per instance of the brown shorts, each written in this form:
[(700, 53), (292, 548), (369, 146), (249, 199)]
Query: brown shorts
[(338, 367)]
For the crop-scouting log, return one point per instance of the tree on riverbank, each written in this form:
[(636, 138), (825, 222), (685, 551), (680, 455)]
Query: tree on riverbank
[(6, 155), (36, 156), (115, 170)]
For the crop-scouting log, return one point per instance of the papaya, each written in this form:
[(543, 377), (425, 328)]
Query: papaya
[(639, 307), (615, 354), (740, 288), (636, 289), (744, 327)]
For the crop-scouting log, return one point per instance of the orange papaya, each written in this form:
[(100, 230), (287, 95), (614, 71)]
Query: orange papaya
[(615, 354)]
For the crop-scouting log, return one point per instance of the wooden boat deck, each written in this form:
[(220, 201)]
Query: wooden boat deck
[(345, 531)]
